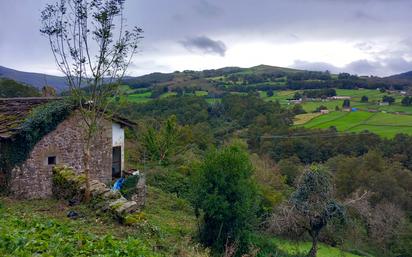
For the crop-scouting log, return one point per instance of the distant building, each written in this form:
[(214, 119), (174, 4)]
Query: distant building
[(296, 101), (340, 97), (383, 103), (324, 111)]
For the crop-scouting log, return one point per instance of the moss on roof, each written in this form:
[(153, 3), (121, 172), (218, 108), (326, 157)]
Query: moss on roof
[(14, 111)]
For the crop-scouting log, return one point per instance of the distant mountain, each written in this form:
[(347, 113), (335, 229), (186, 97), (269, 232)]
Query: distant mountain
[(402, 76), (37, 80)]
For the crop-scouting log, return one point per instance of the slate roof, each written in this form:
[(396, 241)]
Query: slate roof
[(13, 112)]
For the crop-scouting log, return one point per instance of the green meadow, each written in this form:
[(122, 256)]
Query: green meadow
[(384, 124)]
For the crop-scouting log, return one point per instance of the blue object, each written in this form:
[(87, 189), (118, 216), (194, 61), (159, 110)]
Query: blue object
[(118, 184), (354, 109)]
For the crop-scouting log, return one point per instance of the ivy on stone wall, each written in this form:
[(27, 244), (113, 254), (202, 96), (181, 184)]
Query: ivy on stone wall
[(41, 121)]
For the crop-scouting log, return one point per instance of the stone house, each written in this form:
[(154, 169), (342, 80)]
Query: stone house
[(63, 145)]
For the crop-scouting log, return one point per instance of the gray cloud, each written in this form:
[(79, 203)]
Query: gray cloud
[(207, 9), (384, 67), (315, 66), (205, 45), (236, 22)]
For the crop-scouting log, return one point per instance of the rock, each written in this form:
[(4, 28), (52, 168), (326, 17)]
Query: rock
[(73, 215), (128, 207), (117, 203), (110, 195), (98, 188)]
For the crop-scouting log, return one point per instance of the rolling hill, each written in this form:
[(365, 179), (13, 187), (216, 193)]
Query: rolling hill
[(402, 76), (217, 80), (11, 88)]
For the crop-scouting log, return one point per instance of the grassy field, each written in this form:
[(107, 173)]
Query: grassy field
[(139, 98), (41, 228), (167, 228), (383, 124), (304, 118), (280, 96), (302, 248)]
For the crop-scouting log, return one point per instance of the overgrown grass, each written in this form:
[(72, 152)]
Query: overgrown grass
[(167, 227), (41, 228)]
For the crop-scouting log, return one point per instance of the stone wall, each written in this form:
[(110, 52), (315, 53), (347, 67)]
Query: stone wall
[(33, 179)]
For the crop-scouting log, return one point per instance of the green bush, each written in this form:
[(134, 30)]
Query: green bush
[(171, 181), (228, 199)]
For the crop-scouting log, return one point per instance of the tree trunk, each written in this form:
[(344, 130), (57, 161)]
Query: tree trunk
[(314, 250), (87, 172)]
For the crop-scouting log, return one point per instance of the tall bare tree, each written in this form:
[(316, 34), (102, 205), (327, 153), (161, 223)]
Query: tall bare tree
[(93, 48)]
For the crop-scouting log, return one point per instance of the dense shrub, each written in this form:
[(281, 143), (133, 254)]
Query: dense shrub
[(227, 197), (170, 181)]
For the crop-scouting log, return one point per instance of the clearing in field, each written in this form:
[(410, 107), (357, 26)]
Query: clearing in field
[(304, 118)]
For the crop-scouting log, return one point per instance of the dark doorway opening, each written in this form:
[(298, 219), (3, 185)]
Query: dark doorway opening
[(117, 162)]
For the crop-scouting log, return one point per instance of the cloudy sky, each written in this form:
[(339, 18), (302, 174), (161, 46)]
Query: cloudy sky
[(366, 37)]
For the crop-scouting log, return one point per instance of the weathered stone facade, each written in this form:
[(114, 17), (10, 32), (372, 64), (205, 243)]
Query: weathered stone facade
[(33, 179)]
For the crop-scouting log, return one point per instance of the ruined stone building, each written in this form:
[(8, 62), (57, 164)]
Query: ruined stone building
[(32, 177)]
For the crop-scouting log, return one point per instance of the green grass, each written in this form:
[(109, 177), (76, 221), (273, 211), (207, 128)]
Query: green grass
[(320, 121), (168, 94), (213, 100), (330, 104), (396, 108), (390, 120), (201, 93), (383, 124), (41, 228), (139, 98), (357, 94), (167, 228), (304, 247), (304, 118), (280, 96)]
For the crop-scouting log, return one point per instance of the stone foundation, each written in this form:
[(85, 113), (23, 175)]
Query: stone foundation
[(69, 186)]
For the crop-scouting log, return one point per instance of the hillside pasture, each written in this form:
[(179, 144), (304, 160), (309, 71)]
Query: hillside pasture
[(383, 124), (139, 98)]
